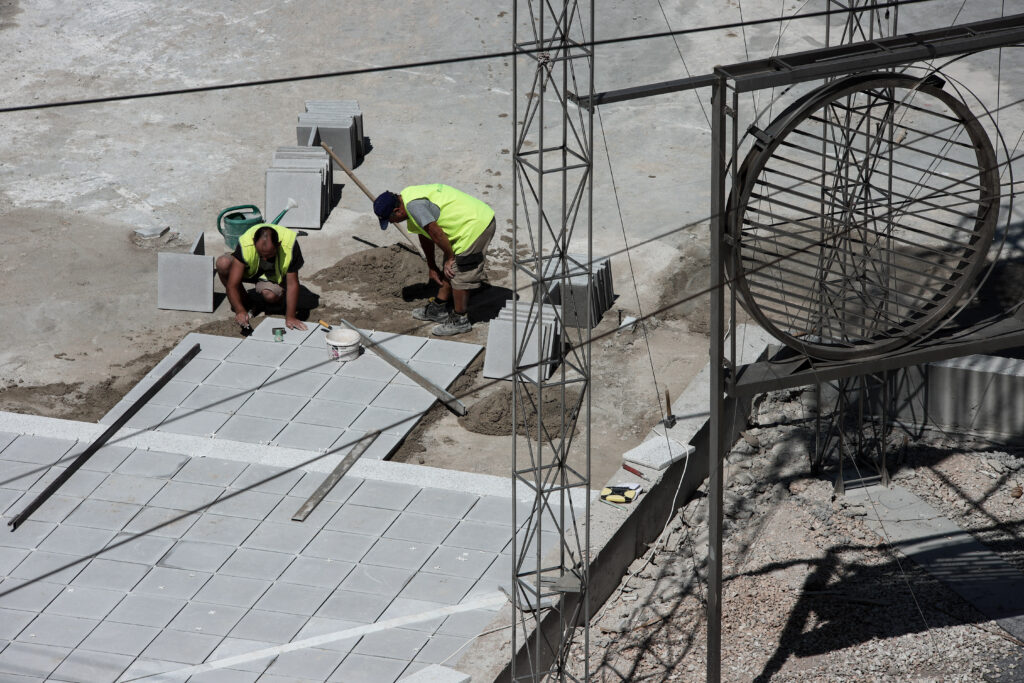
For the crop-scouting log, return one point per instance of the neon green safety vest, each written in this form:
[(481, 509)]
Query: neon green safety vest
[(463, 217), (286, 238)]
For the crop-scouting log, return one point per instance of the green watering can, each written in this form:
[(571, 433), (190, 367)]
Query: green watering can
[(240, 218)]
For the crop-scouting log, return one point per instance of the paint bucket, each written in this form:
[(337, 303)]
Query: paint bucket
[(342, 345)]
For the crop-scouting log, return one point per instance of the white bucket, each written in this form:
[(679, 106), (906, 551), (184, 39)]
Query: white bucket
[(342, 345)]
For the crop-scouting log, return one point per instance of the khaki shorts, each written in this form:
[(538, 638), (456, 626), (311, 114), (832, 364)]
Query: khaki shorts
[(469, 265)]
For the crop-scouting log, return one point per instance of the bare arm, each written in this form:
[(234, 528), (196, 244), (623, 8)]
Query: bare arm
[(441, 240), (234, 291), (428, 251), (291, 302)]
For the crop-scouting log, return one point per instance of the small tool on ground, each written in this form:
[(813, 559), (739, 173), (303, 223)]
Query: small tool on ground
[(633, 470), (670, 419), (621, 493)]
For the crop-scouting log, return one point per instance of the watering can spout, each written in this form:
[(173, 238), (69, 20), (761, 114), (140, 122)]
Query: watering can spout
[(287, 207)]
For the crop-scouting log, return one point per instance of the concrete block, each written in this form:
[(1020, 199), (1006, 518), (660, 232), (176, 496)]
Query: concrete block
[(658, 453), (346, 107), (184, 282), (305, 186), (172, 393), (195, 422), (337, 131)]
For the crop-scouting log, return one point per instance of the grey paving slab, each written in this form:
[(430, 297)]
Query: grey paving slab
[(202, 617), (154, 464), (259, 353), (251, 429), (30, 534), (79, 541), (179, 646), (54, 629), (381, 448), (438, 373), (235, 591), (81, 484), (362, 519), (275, 627), (409, 398), (142, 668), (437, 588), (352, 606), (341, 492), (359, 668), (11, 558), (351, 389), (498, 510), (381, 581), (419, 527), (368, 367), (292, 598), (5, 439), (441, 503), (329, 543), (120, 638), (28, 659), (55, 567), (249, 504), (217, 399), (111, 574), (447, 352), (20, 475), (284, 538), (140, 609), (192, 555), (402, 346), (83, 665), (315, 571), (264, 332), (312, 359), (216, 528), (266, 405), (312, 664), (321, 626), (329, 413), (267, 479), (239, 375), (12, 621), (466, 624), (213, 471), (257, 564), (289, 504), (173, 393), (106, 459), (127, 488), (211, 346), (184, 282), (103, 514), (81, 601), (179, 494), (8, 497), (398, 643), (295, 382), (404, 554), (408, 607), (192, 421), (386, 420), (162, 522), (26, 595), (460, 562), (230, 647), (225, 676), (196, 370), (41, 450), (440, 648), (384, 494), (307, 437), (172, 583)]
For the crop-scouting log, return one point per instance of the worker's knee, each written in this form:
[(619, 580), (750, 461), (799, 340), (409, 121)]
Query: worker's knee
[(223, 264), (269, 296)]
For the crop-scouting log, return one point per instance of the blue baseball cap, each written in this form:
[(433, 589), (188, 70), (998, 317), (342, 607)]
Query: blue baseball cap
[(383, 205)]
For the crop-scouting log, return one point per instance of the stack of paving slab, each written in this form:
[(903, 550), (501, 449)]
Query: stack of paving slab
[(340, 126), (505, 337), (572, 297), (305, 175), (184, 282)]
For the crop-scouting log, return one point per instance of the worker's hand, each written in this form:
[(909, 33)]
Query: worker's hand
[(294, 324), (449, 268), (435, 275), (242, 319)]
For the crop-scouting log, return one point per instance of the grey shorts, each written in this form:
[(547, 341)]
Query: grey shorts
[(469, 265), (262, 285)]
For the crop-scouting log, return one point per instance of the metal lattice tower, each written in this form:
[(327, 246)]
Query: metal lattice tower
[(552, 209)]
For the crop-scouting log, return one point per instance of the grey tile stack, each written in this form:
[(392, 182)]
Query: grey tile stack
[(502, 344), (572, 297), (305, 175), (340, 124), (184, 282)]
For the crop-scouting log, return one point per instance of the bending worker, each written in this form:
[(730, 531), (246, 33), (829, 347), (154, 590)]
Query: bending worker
[(461, 226), (267, 255)]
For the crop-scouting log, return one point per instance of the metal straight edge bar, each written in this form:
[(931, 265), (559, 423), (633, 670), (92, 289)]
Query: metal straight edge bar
[(331, 480), (454, 404), (84, 456)]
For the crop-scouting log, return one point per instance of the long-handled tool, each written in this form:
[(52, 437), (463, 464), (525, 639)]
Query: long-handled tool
[(369, 194)]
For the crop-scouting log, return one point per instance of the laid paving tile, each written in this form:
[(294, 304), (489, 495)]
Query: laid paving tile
[(447, 352), (232, 647), (81, 484), (437, 373), (217, 399), (256, 564), (212, 346), (349, 605), (180, 646), (359, 668), (381, 581), (127, 488), (83, 665), (312, 664), (30, 534), (216, 528), (145, 610), (498, 510), (342, 387), (329, 413), (20, 475), (267, 479), (8, 497), (120, 638), (201, 617), (11, 558), (321, 626), (162, 522), (275, 627), (213, 471), (312, 359), (28, 659), (12, 622), (192, 421), (225, 675), (361, 519), (155, 464), (399, 643), (384, 494), (295, 382), (172, 393), (138, 548), (88, 603), (41, 450), (269, 406), (409, 398), (103, 514), (341, 492), (381, 448), (54, 629), (79, 541), (172, 583), (467, 624), (307, 437), (337, 543), (315, 571), (403, 554), (195, 371), (437, 588), (282, 538), (443, 503), (5, 439), (402, 346), (111, 574), (293, 598), (386, 420), (54, 567), (196, 556), (370, 367), (264, 332), (179, 494), (289, 504), (106, 459), (28, 595), (249, 504), (440, 648), (460, 562), (235, 591), (142, 668), (410, 607), (260, 354), (239, 376), (418, 527), (149, 417)]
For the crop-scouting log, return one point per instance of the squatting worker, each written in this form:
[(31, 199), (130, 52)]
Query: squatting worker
[(268, 256), (461, 226)]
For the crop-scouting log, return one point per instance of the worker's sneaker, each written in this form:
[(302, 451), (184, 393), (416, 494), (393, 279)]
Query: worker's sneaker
[(434, 311), (456, 323)]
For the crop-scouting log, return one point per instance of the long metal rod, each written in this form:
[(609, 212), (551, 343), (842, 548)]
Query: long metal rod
[(84, 456), (332, 479)]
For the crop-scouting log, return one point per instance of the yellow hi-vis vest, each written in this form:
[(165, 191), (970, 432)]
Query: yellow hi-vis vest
[(286, 238), (463, 217)]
